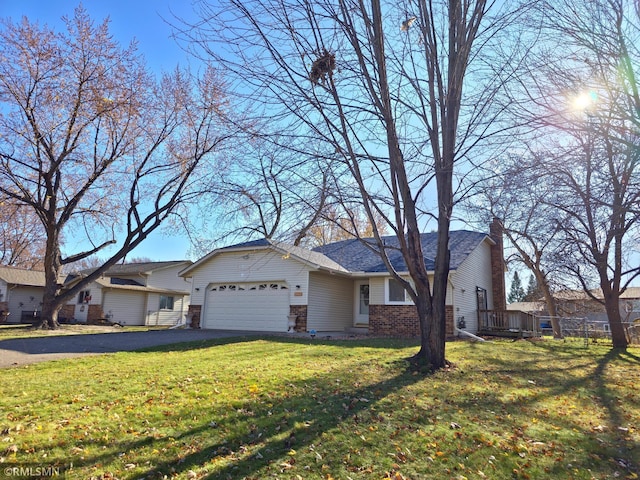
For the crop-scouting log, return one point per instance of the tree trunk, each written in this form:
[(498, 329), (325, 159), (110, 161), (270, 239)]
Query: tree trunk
[(50, 310), (51, 304), (618, 335), (551, 305), (439, 322), (425, 318), (432, 347)]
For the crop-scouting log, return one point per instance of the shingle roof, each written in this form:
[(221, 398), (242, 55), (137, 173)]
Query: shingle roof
[(310, 256), (355, 256), (135, 268), (106, 283), (19, 276), (359, 255)]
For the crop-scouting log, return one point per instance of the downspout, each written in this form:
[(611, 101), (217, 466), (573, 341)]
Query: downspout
[(468, 334)]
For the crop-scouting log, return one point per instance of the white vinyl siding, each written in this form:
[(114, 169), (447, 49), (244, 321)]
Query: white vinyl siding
[(475, 271), (257, 306), (125, 308), (330, 303), (159, 316), (23, 299), (251, 266), (376, 290), (168, 278)]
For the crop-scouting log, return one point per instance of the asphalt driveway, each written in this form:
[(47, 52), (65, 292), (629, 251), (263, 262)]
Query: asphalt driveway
[(24, 351)]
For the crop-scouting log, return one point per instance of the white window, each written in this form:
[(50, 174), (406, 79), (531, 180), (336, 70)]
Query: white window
[(395, 292), (84, 297), (166, 303)]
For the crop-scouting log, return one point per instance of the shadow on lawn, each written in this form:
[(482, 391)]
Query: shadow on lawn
[(613, 405), (260, 429), (560, 379)]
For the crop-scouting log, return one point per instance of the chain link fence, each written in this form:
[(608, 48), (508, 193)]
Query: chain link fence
[(591, 331)]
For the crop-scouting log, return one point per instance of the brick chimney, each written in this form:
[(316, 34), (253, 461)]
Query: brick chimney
[(498, 266)]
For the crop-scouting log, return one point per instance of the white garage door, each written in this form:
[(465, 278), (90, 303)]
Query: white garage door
[(125, 308), (247, 306)]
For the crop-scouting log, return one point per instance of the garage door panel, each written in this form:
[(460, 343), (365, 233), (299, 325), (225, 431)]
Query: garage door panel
[(247, 306)]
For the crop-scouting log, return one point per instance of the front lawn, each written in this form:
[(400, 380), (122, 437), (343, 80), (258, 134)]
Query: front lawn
[(303, 409)]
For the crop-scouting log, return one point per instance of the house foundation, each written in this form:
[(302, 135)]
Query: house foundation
[(401, 320)]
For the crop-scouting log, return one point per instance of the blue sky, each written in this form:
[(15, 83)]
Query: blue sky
[(142, 20), (139, 19)]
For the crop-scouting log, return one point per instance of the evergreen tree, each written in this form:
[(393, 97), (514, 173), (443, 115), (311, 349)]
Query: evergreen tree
[(533, 292), (516, 293)]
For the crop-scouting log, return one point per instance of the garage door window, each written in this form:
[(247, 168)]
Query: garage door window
[(252, 287)]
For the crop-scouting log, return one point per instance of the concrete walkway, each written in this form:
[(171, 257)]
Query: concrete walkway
[(24, 351)]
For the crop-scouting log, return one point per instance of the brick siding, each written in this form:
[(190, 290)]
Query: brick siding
[(4, 312), (401, 320), (95, 315), (498, 266), (195, 311), (67, 312), (301, 321)]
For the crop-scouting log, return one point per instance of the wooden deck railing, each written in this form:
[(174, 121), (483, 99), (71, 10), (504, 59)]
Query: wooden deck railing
[(507, 321)]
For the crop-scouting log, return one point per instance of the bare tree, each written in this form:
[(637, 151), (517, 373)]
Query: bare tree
[(21, 239), (390, 95), (599, 211), (339, 223), (584, 101), (520, 196), (93, 145), (265, 191)]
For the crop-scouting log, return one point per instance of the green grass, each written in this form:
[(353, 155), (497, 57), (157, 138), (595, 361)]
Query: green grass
[(301, 409)]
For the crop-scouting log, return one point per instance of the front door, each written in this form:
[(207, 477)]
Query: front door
[(362, 303)]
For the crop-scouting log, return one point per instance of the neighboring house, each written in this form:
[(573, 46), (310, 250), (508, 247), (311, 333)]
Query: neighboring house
[(149, 293), (266, 285), (577, 303), (535, 308), (576, 306), (20, 294)]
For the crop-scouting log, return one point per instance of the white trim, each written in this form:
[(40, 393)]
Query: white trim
[(358, 318), (407, 298)]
